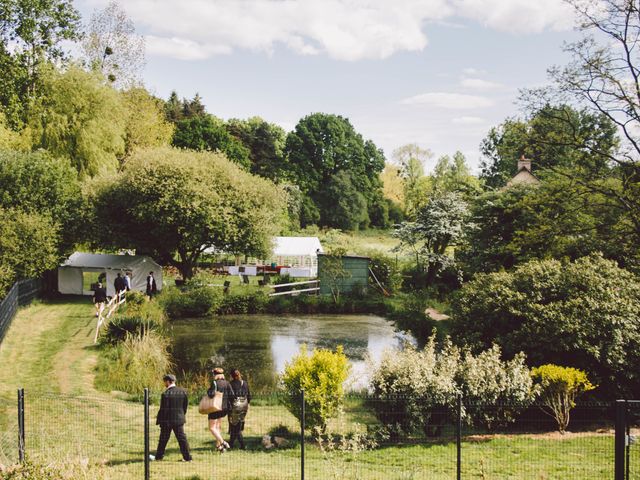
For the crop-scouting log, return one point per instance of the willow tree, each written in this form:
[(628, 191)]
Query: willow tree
[(174, 204)]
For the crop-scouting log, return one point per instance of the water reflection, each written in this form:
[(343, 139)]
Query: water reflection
[(260, 345)]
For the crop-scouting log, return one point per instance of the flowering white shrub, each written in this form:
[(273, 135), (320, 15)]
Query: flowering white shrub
[(418, 389)]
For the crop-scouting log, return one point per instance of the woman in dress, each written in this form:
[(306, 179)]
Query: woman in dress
[(219, 384), (240, 399)]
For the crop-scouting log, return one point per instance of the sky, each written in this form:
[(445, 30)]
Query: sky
[(439, 73)]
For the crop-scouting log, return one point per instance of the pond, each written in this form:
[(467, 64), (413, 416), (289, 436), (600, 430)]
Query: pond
[(260, 345)]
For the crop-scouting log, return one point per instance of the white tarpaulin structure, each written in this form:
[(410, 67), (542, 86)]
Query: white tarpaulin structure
[(299, 252), (71, 272)]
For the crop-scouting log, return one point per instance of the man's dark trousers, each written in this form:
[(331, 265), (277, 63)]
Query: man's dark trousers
[(171, 417), (165, 433)]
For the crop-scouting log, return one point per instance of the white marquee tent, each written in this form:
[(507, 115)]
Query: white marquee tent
[(298, 252), (71, 272)]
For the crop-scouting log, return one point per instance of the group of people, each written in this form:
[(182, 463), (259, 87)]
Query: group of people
[(120, 284), (174, 401)]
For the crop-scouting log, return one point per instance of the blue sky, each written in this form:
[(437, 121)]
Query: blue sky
[(438, 73)]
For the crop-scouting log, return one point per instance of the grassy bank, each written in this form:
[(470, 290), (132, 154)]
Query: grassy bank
[(49, 351)]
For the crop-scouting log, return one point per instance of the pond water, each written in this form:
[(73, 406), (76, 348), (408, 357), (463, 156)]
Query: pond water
[(260, 345)]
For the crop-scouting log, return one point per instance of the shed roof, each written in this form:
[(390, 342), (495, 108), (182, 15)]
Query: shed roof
[(296, 246), (107, 261)]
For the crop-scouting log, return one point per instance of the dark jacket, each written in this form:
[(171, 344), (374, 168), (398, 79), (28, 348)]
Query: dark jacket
[(221, 386), (152, 287), (119, 284), (240, 389), (100, 295), (173, 407)]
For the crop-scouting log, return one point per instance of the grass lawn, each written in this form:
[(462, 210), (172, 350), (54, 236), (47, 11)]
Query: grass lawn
[(49, 351)]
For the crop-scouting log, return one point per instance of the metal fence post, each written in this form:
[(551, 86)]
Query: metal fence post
[(620, 439), (21, 424), (146, 434), (302, 429), (459, 439)]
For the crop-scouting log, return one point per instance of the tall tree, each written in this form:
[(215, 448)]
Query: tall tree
[(146, 125), (112, 46), (206, 132), (32, 33), (411, 161), (323, 145), (265, 142), (80, 118), (453, 175), (552, 137), (602, 77), (174, 204)]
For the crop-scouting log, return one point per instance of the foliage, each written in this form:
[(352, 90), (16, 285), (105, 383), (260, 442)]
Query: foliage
[(123, 326), (339, 451), (559, 387), (323, 145), (61, 470), (80, 118), (453, 175), (206, 132), (549, 137), (602, 78), (136, 363), (249, 302), (33, 33), (333, 270), (321, 375), (28, 243), (439, 225), (111, 46), (581, 314), (418, 389), (39, 184), (174, 204), (342, 205), (176, 110), (411, 160), (385, 269), (194, 302), (145, 123), (265, 142)]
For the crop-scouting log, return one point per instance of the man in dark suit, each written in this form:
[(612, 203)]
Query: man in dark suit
[(171, 417), (152, 288), (119, 284)]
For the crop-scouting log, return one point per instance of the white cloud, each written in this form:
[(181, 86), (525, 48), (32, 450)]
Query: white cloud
[(473, 71), (341, 29), (468, 121), (479, 84), (449, 101)]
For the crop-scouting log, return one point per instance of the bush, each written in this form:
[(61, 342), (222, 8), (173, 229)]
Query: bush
[(63, 470), (123, 326), (582, 314), (136, 363), (418, 389), (385, 270), (322, 375), (244, 302), (559, 387), (198, 301)]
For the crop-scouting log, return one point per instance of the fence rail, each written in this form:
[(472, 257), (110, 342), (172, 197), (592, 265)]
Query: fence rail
[(21, 293), (360, 441)]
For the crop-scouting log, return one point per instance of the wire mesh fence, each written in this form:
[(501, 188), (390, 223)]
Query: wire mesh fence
[(369, 438), (633, 443)]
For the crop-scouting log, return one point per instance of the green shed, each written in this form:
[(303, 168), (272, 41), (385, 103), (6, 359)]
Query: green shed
[(355, 273)]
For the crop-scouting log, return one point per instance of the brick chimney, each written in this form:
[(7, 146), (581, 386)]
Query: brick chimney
[(524, 163)]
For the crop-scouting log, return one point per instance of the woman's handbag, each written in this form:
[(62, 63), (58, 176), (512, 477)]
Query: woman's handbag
[(211, 405)]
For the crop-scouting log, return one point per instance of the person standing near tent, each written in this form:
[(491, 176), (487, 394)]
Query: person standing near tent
[(152, 287), (119, 284), (127, 281), (99, 297)]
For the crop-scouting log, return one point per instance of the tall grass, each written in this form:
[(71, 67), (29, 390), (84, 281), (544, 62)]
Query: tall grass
[(135, 363)]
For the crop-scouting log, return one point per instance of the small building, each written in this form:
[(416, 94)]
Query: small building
[(523, 175), (356, 274), (78, 275)]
